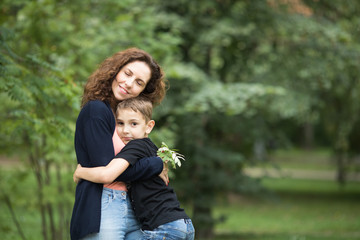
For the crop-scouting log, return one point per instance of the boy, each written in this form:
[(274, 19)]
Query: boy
[(155, 204)]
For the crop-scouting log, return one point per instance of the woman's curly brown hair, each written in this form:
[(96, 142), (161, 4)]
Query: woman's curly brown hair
[(99, 84)]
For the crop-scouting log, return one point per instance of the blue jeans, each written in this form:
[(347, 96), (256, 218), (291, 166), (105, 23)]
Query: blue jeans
[(118, 221), (180, 229)]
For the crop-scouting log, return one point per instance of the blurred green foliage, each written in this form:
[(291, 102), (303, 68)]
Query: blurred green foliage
[(245, 77)]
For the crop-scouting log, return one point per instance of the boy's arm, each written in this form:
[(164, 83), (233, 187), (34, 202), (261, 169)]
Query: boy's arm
[(105, 174), (143, 169)]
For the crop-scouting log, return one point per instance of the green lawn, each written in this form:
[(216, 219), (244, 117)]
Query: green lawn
[(297, 209)]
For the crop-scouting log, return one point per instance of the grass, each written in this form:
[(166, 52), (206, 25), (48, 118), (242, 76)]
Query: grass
[(21, 189), (296, 209)]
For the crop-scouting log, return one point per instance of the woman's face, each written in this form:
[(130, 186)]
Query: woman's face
[(131, 80)]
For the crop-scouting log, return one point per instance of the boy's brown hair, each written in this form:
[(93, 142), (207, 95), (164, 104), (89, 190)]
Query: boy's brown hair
[(137, 104)]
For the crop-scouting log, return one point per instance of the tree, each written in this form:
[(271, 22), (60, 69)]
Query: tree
[(324, 49), (256, 64), (36, 124), (217, 90), (44, 63)]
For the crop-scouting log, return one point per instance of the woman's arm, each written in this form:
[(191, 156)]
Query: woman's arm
[(105, 174)]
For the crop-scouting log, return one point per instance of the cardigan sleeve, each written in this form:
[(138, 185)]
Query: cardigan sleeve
[(98, 140), (95, 133)]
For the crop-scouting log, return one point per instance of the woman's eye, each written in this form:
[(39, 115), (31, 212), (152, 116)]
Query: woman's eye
[(140, 83)]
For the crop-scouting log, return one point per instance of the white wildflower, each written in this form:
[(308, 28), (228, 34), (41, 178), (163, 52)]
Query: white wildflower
[(170, 156)]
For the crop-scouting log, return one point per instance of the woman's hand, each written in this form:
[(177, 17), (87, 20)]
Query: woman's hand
[(75, 178), (164, 174)]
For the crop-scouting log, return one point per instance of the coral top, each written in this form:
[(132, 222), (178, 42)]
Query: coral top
[(118, 145)]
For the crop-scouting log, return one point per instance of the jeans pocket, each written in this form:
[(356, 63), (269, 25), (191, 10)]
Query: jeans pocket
[(172, 230), (148, 235)]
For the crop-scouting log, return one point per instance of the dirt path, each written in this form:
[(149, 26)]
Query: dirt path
[(7, 162), (299, 174), (253, 172)]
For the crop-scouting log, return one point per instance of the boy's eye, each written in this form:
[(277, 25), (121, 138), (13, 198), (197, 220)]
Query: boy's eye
[(120, 123), (134, 124)]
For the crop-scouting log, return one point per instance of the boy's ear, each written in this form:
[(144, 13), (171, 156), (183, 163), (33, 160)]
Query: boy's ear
[(150, 126)]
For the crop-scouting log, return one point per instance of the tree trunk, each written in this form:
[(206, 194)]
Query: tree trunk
[(60, 206), (13, 215), (40, 192), (341, 171), (203, 222), (308, 136)]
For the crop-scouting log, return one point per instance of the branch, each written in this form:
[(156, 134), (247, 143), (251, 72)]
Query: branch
[(13, 216)]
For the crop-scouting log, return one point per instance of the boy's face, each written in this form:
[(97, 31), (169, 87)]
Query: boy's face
[(132, 125)]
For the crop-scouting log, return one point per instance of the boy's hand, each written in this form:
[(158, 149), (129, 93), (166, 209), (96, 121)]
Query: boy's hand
[(164, 174), (75, 178)]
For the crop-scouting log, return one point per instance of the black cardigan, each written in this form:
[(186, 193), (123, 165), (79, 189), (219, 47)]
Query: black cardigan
[(95, 127)]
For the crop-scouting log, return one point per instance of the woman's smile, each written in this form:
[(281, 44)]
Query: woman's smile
[(123, 90)]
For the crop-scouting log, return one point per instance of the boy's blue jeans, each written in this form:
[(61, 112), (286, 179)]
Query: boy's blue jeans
[(181, 229), (118, 221)]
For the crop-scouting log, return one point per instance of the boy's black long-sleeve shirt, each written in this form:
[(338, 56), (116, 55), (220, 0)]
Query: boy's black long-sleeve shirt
[(153, 202)]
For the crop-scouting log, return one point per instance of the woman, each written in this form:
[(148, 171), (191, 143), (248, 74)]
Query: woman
[(104, 211)]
